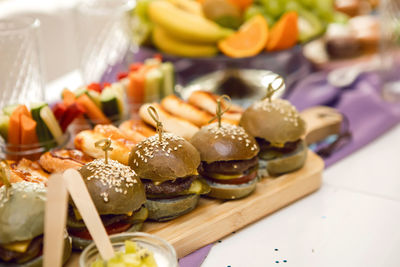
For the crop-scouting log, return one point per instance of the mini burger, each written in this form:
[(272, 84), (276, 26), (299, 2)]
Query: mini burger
[(278, 129), (22, 207), (117, 194), (229, 160), (167, 165)]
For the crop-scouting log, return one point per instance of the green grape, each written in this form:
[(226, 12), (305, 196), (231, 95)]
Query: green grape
[(310, 26), (339, 17), (325, 9), (254, 10), (274, 8), (141, 8)]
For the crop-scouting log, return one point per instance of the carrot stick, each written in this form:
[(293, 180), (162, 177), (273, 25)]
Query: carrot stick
[(68, 97), (92, 111), (14, 129), (28, 130), (284, 33), (137, 84)]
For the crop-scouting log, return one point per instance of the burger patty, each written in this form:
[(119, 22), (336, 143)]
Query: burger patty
[(107, 220), (33, 251), (287, 148), (168, 187), (228, 167)]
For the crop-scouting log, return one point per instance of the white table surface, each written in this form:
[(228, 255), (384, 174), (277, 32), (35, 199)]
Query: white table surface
[(353, 220)]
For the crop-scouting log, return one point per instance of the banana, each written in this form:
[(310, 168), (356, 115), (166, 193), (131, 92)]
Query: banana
[(168, 44), (189, 6), (184, 25)]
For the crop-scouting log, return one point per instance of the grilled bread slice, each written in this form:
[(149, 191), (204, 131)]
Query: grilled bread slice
[(181, 109), (121, 145), (136, 130), (59, 160), (172, 124), (208, 102)]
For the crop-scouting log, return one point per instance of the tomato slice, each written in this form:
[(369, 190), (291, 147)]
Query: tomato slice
[(241, 180), (114, 228)]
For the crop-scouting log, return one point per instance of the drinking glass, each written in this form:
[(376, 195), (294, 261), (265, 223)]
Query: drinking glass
[(103, 37), (164, 253), (21, 78), (390, 49)]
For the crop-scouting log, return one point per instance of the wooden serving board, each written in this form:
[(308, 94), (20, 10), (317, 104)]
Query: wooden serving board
[(215, 219)]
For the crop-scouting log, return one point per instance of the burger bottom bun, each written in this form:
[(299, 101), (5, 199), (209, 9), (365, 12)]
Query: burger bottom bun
[(80, 243), (288, 162), (171, 208), (38, 262), (231, 191)]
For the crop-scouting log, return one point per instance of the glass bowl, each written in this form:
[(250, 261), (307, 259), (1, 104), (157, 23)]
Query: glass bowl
[(163, 252), (31, 151)]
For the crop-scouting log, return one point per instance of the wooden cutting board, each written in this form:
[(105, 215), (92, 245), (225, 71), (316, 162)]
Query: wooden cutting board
[(215, 219)]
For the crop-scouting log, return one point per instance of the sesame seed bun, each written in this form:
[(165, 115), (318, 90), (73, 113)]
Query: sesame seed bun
[(225, 143), (277, 121), (172, 158), (114, 187), (22, 214)]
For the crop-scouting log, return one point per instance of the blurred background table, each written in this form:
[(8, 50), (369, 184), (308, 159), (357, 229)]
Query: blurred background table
[(351, 221)]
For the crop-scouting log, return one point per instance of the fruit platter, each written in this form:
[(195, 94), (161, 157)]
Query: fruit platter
[(235, 28)]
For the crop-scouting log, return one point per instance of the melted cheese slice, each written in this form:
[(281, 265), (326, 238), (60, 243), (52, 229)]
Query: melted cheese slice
[(20, 246)]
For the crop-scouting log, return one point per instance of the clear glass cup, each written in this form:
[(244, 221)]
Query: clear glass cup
[(164, 253), (31, 151), (103, 37), (21, 78), (390, 49)]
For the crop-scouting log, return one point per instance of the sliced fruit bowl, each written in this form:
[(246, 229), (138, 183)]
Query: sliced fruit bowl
[(236, 28)]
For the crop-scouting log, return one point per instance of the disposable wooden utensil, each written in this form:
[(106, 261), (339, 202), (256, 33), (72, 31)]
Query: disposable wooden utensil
[(54, 221), (56, 213), (87, 209)]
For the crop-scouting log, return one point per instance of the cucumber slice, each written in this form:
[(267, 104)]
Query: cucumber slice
[(120, 94), (168, 81), (4, 124), (8, 110), (80, 91), (42, 131), (95, 97), (51, 122), (153, 85), (109, 102)]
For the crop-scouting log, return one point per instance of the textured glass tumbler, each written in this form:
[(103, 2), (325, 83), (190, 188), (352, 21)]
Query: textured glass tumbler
[(21, 78), (390, 49), (103, 36)]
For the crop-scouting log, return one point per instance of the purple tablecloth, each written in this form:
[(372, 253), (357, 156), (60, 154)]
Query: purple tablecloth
[(369, 117)]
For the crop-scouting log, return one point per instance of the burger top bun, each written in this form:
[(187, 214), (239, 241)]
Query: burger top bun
[(172, 157), (277, 121), (225, 143), (22, 213), (114, 187)]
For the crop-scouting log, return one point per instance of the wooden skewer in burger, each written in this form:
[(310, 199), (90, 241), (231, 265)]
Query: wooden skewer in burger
[(229, 160), (117, 193), (279, 130), (167, 165), (22, 207)]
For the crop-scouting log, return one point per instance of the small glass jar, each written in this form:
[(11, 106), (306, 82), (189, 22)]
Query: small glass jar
[(32, 151), (164, 253)]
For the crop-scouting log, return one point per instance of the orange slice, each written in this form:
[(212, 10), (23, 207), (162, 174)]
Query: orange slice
[(248, 41), (284, 34)]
